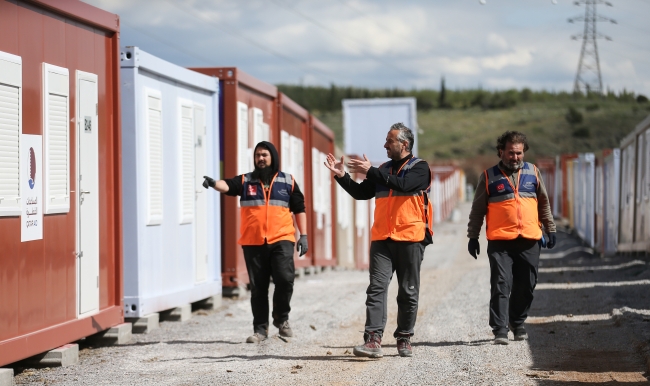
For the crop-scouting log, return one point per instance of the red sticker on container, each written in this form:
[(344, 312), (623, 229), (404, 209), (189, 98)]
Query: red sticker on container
[(252, 190), (500, 187)]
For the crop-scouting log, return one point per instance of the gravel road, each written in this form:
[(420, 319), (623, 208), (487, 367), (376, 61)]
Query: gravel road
[(588, 324)]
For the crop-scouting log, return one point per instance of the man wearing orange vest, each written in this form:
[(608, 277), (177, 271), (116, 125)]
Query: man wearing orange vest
[(400, 232), (512, 197), (268, 197)]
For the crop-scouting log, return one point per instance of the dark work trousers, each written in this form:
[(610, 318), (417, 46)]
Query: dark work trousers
[(386, 257), (513, 276), (263, 262)]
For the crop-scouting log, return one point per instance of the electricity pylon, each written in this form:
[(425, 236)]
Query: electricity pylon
[(588, 78)]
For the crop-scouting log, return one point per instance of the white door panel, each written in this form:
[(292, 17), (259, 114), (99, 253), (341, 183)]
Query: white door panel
[(87, 194)]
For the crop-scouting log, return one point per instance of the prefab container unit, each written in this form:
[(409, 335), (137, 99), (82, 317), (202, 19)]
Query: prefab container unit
[(584, 194), (607, 201), (445, 189), (547, 169), (562, 188), (611, 201), (323, 204), (634, 231), (61, 276), (345, 222), (170, 140), (248, 115), (570, 192), (293, 126)]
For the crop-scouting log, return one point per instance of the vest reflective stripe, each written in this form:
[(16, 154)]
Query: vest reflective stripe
[(512, 212), (400, 216), (266, 216)]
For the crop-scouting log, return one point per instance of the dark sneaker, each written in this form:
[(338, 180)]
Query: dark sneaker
[(285, 329), (256, 338), (404, 348), (501, 339), (520, 333), (372, 347)]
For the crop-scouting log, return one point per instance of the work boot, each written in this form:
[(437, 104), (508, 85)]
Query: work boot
[(501, 338), (372, 347), (285, 329), (520, 333), (404, 348), (256, 338)]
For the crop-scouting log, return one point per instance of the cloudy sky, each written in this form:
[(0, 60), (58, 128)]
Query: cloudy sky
[(393, 43)]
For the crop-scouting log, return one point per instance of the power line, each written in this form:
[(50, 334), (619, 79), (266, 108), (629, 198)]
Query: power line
[(233, 31), (357, 42)]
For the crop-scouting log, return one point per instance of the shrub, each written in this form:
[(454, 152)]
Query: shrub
[(573, 116)]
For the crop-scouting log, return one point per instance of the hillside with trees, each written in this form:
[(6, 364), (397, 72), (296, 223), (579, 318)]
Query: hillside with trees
[(461, 126)]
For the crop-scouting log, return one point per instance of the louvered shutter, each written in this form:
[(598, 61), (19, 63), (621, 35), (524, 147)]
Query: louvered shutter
[(154, 158), (187, 163), (56, 118), (242, 139), (10, 130)]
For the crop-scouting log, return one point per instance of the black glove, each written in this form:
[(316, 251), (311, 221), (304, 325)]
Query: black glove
[(551, 241), (474, 247), (209, 182), (301, 245)]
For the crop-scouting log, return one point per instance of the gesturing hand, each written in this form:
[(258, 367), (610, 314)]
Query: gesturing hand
[(360, 166), (208, 182), (335, 165)]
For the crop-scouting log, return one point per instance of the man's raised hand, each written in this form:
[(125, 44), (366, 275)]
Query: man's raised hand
[(335, 165)]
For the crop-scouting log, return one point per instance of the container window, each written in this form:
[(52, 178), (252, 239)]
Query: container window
[(639, 169), (154, 158), (258, 126), (187, 161), (10, 131), (56, 115)]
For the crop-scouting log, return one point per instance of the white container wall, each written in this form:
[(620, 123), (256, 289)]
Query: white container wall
[(367, 121), (611, 180), (170, 139), (642, 194), (584, 187)]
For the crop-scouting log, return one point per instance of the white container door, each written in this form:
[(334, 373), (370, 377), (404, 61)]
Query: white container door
[(87, 194), (201, 204)]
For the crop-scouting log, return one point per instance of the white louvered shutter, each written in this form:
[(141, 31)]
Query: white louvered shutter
[(154, 159), (56, 118), (258, 126), (187, 164), (242, 139), (10, 130)]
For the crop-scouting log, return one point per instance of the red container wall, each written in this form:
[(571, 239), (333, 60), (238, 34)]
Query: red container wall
[(322, 139), (237, 86), (566, 206), (38, 288), (294, 119)]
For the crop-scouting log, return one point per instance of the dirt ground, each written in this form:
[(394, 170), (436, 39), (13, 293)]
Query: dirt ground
[(589, 324)]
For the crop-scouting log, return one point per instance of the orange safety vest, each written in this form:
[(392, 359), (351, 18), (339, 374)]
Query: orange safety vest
[(401, 216), (512, 212), (266, 217)]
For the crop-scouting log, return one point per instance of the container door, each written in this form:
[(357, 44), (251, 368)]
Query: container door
[(201, 203), (87, 194)]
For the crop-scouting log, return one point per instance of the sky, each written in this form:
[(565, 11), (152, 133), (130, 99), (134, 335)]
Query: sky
[(491, 44)]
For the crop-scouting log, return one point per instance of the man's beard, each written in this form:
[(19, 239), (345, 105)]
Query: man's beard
[(514, 167), (263, 174)]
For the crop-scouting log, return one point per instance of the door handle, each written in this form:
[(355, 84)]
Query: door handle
[(84, 191)]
